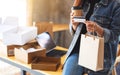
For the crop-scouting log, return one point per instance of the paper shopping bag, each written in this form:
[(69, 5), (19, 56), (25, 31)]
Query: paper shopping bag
[(91, 54)]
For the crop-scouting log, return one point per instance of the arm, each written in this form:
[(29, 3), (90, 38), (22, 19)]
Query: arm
[(111, 33), (77, 3), (76, 11)]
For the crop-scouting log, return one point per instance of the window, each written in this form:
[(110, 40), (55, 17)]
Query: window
[(15, 8)]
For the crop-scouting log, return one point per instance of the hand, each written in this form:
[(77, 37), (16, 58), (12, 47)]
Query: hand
[(117, 61), (72, 15), (74, 24), (94, 27), (90, 25)]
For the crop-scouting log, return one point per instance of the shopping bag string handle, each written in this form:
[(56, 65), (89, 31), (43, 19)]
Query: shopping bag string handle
[(92, 34)]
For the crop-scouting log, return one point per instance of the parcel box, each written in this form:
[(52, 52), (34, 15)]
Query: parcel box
[(27, 55), (46, 63), (7, 50), (4, 28), (19, 36)]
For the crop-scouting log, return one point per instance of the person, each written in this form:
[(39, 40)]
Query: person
[(103, 17)]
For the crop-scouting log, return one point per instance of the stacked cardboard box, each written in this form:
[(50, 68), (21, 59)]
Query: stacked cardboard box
[(7, 50), (19, 35), (46, 63)]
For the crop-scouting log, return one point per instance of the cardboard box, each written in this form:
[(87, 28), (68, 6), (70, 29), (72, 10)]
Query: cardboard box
[(7, 50), (27, 55), (46, 63), (4, 28), (19, 36)]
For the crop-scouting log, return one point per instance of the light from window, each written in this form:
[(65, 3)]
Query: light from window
[(15, 8)]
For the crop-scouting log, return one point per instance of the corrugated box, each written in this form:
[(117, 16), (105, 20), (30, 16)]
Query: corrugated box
[(7, 50), (46, 63), (27, 55), (19, 36), (4, 28)]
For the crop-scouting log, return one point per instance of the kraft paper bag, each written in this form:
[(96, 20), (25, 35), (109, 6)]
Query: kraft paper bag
[(91, 54)]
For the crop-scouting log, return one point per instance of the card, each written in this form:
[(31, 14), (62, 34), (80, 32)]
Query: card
[(79, 19)]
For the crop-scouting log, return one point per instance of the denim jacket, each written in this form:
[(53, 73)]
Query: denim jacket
[(107, 15)]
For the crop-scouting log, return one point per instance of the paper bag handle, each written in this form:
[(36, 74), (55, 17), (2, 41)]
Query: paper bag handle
[(92, 35), (88, 34)]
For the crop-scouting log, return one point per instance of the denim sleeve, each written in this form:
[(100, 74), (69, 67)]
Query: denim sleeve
[(112, 33)]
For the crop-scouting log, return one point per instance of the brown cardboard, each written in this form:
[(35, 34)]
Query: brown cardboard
[(27, 57), (7, 50), (46, 63)]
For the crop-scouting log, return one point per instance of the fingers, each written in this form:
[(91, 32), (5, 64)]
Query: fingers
[(90, 25), (117, 61), (72, 19), (74, 24)]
